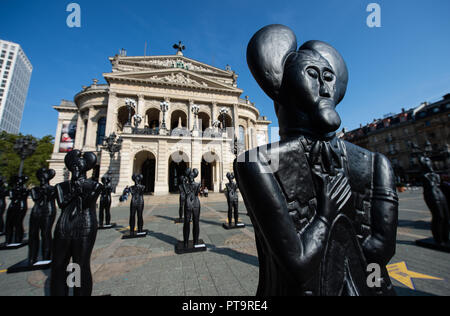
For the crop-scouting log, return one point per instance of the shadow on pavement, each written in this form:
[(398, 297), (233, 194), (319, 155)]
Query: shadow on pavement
[(415, 224), (249, 259), (163, 237)]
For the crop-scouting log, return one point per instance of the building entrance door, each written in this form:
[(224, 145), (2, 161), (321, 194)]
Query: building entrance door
[(148, 172)]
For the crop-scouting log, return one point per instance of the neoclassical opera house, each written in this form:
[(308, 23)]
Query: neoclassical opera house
[(171, 112)]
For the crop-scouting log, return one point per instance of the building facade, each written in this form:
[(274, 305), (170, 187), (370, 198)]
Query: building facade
[(15, 75), (204, 121), (427, 126)]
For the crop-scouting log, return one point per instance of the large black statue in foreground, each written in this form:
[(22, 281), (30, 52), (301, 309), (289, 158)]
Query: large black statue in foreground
[(17, 210), (42, 216), (3, 194), (436, 202), (76, 230), (104, 213), (233, 203), (323, 209)]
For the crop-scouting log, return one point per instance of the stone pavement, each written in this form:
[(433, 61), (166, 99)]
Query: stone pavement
[(149, 266)]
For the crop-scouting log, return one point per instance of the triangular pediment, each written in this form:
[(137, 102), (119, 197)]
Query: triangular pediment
[(171, 77), (141, 63)]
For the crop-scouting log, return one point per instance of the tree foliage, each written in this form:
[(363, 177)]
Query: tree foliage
[(10, 160)]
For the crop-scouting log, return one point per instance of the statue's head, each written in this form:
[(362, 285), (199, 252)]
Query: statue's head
[(230, 176), (137, 178), (45, 175), (106, 180), (19, 182), (187, 172), (193, 175), (306, 84), (79, 163), (427, 164)]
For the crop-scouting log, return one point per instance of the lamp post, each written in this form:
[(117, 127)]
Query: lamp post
[(24, 147), (195, 109), (131, 105), (164, 108), (112, 144), (137, 119), (223, 112)]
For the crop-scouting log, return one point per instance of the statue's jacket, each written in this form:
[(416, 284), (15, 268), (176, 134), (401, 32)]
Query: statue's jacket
[(300, 255), (78, 210)]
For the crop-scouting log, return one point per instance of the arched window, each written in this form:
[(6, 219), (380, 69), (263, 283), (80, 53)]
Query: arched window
[(101, 127)]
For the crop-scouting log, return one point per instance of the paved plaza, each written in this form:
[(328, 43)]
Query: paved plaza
[(149, 266)]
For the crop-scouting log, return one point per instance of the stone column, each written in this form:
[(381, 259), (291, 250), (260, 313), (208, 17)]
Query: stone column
[(58, 135), (196, 155), (111, 115), (214, 112), (248, 136), (141, 108), (91, 131), (162, 169), (235, 119), (126, 161), (190, 116), (80, 132)]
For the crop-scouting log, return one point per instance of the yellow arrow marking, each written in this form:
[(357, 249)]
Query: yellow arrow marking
[(399, 271)]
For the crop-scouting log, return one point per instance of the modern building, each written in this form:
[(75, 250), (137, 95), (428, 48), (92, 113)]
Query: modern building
[(183, 113), (426, 126), (15, 75)]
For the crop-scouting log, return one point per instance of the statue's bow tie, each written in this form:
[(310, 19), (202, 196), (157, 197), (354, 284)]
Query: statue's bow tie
[(323, 155)]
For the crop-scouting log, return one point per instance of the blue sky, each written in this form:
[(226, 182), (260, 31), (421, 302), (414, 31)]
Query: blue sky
[(399, 65)]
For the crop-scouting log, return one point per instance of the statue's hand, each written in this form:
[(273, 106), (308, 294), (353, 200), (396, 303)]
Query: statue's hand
[(333, 192)]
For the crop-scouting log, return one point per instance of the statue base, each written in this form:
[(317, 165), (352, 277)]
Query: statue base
[(135, 235), (237, 226), (179, 221), (23, 266), (113, 225), (5, 246), (431, 244), (180, 249)]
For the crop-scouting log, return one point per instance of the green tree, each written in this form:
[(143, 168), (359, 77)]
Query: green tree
[(10, 160)]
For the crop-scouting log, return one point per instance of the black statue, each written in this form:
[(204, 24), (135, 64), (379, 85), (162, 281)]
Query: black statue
[(76, 229), (183, 180), (16, 212), (136, 207), (3, 194), (42, 216), (233, 203), (436, 202), (191, 210), (105, 203), (322, 209)]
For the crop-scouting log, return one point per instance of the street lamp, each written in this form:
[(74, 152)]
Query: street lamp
[(112, 145), (164, 108), (195, 109), (223, 112), (24, 147), (131, 105), (137, 118)]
